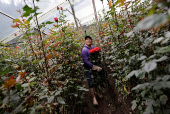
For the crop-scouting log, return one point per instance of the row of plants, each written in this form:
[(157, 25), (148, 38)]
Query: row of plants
[(44, 74), (136, 45)]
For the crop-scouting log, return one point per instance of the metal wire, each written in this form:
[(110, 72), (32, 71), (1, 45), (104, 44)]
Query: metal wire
[(6, 15)]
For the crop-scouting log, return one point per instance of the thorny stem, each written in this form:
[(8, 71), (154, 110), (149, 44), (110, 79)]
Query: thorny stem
[(34, 53), (129, 19), (32, 49), (42, 43), (117, 24)]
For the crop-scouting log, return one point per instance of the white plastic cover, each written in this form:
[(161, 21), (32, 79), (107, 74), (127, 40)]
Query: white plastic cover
[(83, 11)]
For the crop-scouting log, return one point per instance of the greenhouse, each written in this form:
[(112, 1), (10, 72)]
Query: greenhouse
[(84, 56)]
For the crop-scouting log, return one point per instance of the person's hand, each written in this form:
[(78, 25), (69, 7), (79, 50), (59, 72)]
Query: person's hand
[(96, 68)]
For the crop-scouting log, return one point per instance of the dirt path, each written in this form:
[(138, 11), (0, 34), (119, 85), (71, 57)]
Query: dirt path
[(111, 102)]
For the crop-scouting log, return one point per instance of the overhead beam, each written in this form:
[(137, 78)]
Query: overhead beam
[(10, 37), (6, 15), (95, 13)]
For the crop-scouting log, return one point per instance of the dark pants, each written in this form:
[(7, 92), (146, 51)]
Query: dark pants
[(89, 79)]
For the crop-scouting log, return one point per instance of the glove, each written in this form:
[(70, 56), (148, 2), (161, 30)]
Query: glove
[(96, 68)]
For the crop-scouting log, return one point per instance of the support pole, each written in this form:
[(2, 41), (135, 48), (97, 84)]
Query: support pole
[(72, 8), (95, 13), (76, 17)]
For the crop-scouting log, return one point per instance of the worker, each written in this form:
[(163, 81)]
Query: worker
[(88, 66)]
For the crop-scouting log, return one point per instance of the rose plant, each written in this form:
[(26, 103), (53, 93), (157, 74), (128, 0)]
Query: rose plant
[(44, 74)]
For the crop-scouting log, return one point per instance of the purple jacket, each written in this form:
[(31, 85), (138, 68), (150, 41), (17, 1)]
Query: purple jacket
[(85, 55)]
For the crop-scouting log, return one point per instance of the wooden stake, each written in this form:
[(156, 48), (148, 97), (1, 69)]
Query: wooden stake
[(72, 8), (95, 13)]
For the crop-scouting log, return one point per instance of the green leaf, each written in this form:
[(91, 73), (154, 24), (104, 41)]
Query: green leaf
[(132, 47), (26, 8), (141, 86), (19, 87), (15, 97), (129, 34), (50, 99), (6, 71), (37, 14), (162, 84), (142, 58), (161, 59), (143, 93), (152, 56), (57, 93), (45, 41), (166, 77), (141, 75), (163, 99), (26, 14), (139, 107), (131, 74), (16, 20), (33, 78), (148, 40), (41, 97), (83, 89), (153, 21), (13, 91), (114, 74), (33, 83), (5, 100), (158, 40), (55, 33), (165, 41), (35, 61), (49, 22), (25, 85), (38, 107), (60, 100), (149, 109), (152, 10), (32, 111), (164, 50), (150, 66), (134, 104), (29, 19)]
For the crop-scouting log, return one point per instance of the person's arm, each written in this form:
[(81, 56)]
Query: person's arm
[(85, 59)]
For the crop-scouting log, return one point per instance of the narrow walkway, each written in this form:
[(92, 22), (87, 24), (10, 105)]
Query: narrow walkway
[(111, 103)]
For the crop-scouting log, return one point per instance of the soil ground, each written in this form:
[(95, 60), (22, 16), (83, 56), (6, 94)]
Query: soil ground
[(112, 102)]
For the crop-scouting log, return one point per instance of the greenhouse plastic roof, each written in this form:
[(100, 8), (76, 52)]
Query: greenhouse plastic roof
[(83, 10)]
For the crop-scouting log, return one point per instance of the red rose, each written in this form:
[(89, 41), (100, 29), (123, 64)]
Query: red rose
[(17, 24), (97, 49), (58, 8), (15, 34), (61, 8), (54, 25), (56, 19)]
